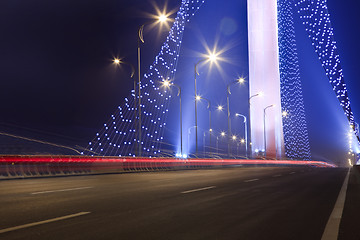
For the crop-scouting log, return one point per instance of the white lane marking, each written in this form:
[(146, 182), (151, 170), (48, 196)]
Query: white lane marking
[(252, 180), (292, 172), (61, 190), (332, 227), (42, 222), (199, 189)]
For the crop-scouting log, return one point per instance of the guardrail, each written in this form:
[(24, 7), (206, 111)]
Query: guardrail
[(35, 166)]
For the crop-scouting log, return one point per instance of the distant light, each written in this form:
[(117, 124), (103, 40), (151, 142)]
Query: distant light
[(242, 140), (223, 134), (210, 130), (220, 108), (256, 150), (177, 155), (198, 98), (184, 155), (233, 137), (284, 113)]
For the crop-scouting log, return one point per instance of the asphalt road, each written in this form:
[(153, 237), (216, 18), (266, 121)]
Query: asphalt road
[(233, 203)]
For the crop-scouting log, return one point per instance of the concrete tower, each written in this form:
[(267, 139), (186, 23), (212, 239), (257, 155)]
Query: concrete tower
[(264, 79)]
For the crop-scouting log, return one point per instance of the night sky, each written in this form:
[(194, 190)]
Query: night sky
[(58, 81)]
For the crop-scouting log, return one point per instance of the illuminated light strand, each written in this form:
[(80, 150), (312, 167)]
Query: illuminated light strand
[(296, 138), (118, 137), (316, 19)]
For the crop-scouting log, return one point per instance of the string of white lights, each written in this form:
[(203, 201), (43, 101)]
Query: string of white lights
[(316, 19), (296, 138)]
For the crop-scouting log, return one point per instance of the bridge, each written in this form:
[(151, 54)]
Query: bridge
[(207, 145), (263, 107)]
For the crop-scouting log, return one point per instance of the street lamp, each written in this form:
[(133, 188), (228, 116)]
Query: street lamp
[(212, 58), (168, 84), (265, 126), (140, 37), (259, 94), (198, 98), (117, 62), (228, 92), (189, 132), (222, 134), (245, 127)]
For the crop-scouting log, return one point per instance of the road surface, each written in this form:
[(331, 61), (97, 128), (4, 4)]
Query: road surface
[(232, 203)]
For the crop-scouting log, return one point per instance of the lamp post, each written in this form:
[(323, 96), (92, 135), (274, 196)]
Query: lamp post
[(189, 132), (117, 62), (234, 137), (198, 98), (222, 134), (265, 127), (228, 92), (169, 84), (140, 39), (245, 127), (259, 94), (212, 58)]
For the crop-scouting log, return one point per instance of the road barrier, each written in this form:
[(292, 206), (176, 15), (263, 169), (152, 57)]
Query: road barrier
[(37, 166)]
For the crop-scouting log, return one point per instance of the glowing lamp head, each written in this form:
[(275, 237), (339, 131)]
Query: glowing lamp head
[(222, 134), (220, 108), (116, 61), (284, 113), (242, 141), (241, 80), (233, 137), (212, 57), (166, 83), (197, 98), (162, 18), (210, 130)]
